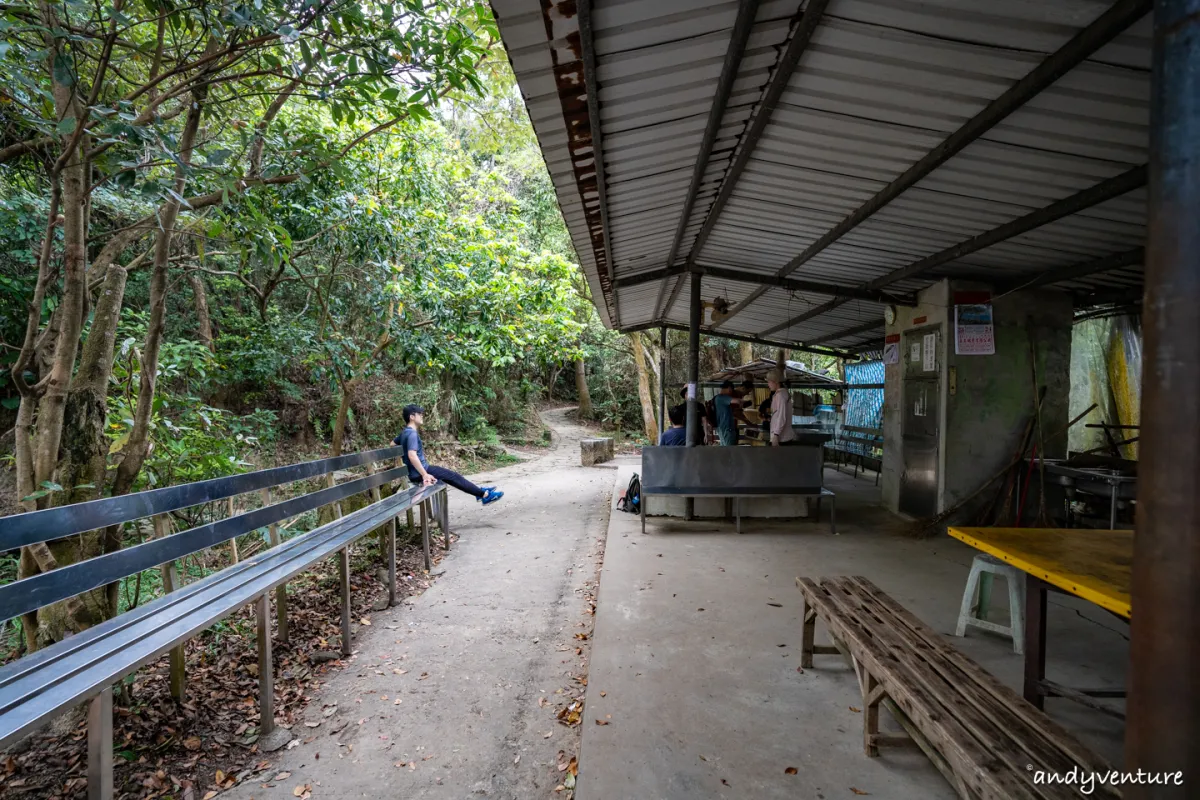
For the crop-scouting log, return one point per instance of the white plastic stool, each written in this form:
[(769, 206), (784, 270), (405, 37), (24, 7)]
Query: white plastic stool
[(972, 612)]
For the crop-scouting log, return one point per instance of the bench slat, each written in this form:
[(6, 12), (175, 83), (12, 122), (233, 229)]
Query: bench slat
[(1033, 719), (981, 771), (49, 524), (45, 588), (30, 697), (991, 723)]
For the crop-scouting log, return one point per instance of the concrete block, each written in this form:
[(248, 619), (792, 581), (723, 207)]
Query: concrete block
[(595, 451)]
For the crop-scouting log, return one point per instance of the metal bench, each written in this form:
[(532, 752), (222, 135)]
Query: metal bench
[(84, 666), (985, 739), (859, 446), (736, 473)]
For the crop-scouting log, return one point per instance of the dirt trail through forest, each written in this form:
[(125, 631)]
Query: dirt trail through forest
[(442, 697)]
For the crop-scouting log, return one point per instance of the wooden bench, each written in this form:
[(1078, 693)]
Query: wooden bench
[(983, 737), (736, 473), (83, 667)]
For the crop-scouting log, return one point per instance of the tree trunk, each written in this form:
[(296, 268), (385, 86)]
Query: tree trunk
[(203, 320), (745, 352), (343, 414), (648, 422), (581, 388)]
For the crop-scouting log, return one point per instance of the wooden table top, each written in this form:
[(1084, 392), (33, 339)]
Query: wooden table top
[(1092, 564)]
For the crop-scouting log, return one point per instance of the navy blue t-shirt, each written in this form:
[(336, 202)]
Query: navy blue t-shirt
[(409, 439), (673, 437)]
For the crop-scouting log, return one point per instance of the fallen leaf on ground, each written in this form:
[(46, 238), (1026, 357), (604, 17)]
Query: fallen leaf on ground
[(542, 702), (220, 777), (855, 710), (283, 776), (312, 724), (601, 722), (364, 621), (210, 795), (724, 782), (581, 637), (303, 791), (547, 735), (424, 675), (776, 605), (399, 671), (192, 743), (293, 743), (604, 694), (790, 771), (858, 791)]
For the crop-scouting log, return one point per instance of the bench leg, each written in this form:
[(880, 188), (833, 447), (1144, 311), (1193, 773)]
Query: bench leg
[(266, 667), (344, 572), (737, 514), (872, 695), (1016, 612), (100, 746), (425, 534), (391, 557), (446, 518), (808, 636)]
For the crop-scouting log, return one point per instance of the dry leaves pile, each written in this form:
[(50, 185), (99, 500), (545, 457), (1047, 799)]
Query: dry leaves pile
[(197, 749)]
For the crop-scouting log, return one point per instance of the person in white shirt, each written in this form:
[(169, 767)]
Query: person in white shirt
[(781, 411)]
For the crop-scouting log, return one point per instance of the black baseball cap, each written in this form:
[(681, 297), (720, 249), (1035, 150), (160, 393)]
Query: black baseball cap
[(410, 409)]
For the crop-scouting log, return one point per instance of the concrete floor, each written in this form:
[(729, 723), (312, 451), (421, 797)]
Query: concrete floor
[(694, 668)]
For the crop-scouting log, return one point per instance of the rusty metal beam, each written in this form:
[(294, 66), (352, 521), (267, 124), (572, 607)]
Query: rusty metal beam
[(742, 25), (591, 86), (810, 18), (675, 326), (1080, 201), (790, 284), (1162, 734)]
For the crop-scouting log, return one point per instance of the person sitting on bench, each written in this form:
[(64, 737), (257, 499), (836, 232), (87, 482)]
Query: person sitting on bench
[(676, 435), (419, 470)]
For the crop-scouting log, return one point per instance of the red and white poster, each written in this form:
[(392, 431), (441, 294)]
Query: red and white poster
[(974, 326)]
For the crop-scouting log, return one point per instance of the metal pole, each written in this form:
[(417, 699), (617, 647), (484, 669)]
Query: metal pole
[(1162, 732), (693, 419), (100, 746), (662, 380)]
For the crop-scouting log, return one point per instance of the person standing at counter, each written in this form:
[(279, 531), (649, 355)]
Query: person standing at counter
[(781, 411), (723, 407)]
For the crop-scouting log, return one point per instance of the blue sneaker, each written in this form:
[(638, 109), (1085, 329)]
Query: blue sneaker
[(490, 495)]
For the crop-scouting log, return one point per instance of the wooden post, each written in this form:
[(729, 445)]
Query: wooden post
[(807, 637), (233, 548), (266, 667), (344, 571), (377, 496), (100, 746), (281, 590), (170, 580), (425, 533), (872, 694)]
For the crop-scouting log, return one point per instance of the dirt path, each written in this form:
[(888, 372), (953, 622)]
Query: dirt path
[(442, 697)]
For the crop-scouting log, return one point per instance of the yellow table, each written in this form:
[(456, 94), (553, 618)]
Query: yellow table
[(1092, 564)]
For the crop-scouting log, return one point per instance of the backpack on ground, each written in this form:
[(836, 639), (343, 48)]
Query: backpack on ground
[(631, 498)]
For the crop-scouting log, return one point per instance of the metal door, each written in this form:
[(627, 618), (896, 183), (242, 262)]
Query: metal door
[(921, 355)]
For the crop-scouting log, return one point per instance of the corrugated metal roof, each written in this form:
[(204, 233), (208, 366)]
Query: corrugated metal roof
[(880, 84)]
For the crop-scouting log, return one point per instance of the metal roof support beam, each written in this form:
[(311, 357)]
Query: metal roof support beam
[(675, 326), (1080, 201), (810, 18), (587, 46), (863, 328), (743, 24), (816, 287), (1082, 46)]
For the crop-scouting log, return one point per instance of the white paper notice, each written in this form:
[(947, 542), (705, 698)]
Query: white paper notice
[(930, 362), (891, 353), (915, 351)]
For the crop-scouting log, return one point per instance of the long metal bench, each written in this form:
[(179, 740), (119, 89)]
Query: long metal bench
[(84, 666), (737, 473), (982, 736)]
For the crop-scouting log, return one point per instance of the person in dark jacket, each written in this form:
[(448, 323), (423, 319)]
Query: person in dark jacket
[(421, 472), (676, 435)]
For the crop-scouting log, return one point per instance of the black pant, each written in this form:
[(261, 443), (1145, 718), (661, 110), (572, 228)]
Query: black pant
[(454, 479)]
